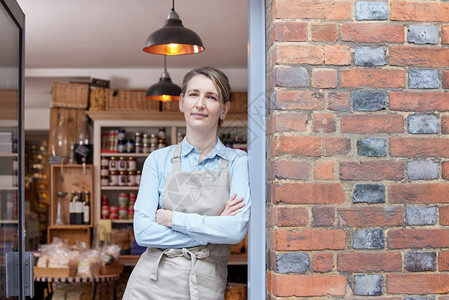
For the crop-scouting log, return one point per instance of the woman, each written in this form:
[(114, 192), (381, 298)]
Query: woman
[(193, 201)]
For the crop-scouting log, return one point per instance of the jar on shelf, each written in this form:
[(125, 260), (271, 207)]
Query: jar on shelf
[(122, 178), (104, 207), (161, 144), (145, 148), (113, 178), (138, 137), (132, 164), (113, 212), (138, 176), (122, 164), (113, 164), (123, 213), (153, 147), (104, 162), (145, 138), (123, 199), (138, 147), (121, 146), (121, 135), (131, 178), (161, 134), (104, 171), (153, 139), (130, 146), (104, 180)]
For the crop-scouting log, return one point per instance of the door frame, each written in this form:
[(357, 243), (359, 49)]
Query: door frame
[(256, 149)]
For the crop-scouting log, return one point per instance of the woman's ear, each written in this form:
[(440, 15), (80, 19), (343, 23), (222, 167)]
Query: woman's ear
[(181, 102), (226, 109)]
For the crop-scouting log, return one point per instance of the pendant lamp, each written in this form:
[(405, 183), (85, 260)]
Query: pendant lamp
[(165, 90), (173, 38)]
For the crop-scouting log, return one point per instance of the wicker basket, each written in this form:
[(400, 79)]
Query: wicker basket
[(129, 100), (170, 106), (70, 95)]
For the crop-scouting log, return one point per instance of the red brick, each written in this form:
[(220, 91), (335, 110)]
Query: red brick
[(338, 101), (308, 285), (364, 262), (445, 37), (289, 121), (288, 216), (290, 31), (297, 146), (338, 10), (371, 216), (300, 99), (323, 122), (446, 79), (419, 147), (323, 262), (372, 33), (418, 238), (323, 216), (339, 55), (324, 78), (372, 170), (299, 9), (366, 123), (323, 170), (444, 215), (419, 11), (417, 283), (309, 193), (419, 193), (445, 170), (375, 78), (419, 57), (443, 261), (335, 146), (419, 101), (324, 32), (299, 54), (307, 239), (289, 169)]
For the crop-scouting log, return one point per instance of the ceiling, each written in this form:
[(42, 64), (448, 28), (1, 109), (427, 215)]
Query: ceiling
[(62, 37)]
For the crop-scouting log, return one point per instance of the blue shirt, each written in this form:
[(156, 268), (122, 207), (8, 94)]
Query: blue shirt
[(189, 229)]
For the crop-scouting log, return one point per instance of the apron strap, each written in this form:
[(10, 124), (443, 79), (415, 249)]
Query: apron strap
[(193, 254), (176, 160)]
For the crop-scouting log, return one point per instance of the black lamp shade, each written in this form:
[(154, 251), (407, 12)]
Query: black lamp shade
[(173, 39), (165, 90)]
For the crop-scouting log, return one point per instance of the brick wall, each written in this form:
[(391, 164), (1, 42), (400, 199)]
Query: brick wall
[(358, 149)]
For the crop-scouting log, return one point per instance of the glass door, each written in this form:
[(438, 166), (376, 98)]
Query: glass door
[(14, 281)]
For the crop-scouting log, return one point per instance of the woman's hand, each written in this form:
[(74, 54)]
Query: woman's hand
[(233, 206), (164, 217)]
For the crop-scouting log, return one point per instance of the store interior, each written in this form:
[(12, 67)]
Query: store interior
[(89, 127)]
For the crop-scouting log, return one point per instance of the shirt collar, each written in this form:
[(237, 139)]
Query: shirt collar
[(219, 149)]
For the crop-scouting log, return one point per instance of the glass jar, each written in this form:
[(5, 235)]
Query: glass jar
[(121, 146), (161, 133), (138, 137), (130, 146), (113, 164), (138, 176), (138, 147), (113, 178), (122, 178), (122, 164), (104, 162), (153, 139), (104, 171), (104, 181), (132, 164), (131, 178)]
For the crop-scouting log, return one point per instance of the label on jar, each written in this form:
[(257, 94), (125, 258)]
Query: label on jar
[(113, 178), (123, 178), (122, 164), (105, 162), (132, 164), (104, 171), (113, 164), (131, 178)]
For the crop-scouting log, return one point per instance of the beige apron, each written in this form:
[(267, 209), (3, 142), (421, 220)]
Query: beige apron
[(187, 273)]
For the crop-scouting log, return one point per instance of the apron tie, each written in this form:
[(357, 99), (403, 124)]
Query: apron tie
[(193, 254)]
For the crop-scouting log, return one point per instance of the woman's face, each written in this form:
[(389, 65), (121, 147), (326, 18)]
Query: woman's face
[(201, 104)]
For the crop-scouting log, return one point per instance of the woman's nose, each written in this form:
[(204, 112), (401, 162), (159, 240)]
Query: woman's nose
[(200, 102)]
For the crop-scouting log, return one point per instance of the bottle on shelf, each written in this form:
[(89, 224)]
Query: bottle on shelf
[(86, 208), (79, 206), (72, 211)]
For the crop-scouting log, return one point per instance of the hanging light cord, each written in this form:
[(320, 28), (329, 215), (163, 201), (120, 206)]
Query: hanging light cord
[(165, 63), (173, 5)]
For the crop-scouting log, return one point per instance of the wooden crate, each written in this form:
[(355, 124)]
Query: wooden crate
[(9, 103), (129, 100), (70, 95)]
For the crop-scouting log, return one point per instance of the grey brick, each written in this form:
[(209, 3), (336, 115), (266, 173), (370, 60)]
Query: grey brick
[(368, 100), (422, 170), (420, 261), (370, 56), (423, 79), (293, 262), (421, 215), (368, 285), (369, 193), (372, 147), (291, 76), (423, 34), (426, 124), (368, 239), (366, 10), (419, 298)]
